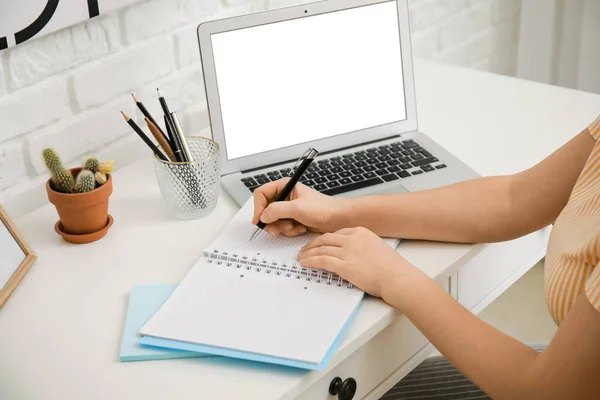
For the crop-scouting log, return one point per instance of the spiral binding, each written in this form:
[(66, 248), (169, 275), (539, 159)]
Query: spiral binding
[(262, 264)]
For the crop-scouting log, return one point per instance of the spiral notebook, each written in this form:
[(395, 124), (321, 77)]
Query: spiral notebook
[(252, 300)]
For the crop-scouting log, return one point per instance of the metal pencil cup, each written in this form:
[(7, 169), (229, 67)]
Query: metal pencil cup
[(191, 189)]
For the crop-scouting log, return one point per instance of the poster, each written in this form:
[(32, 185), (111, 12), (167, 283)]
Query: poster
[(23, 20)]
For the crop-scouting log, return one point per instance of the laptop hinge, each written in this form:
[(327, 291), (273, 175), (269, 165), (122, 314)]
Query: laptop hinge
[(320, 154)]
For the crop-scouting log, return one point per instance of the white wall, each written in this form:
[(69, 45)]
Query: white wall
[(65, 90)]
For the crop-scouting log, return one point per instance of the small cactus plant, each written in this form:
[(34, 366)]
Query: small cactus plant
[(62, 179), (86, 181), (82, 209), (91, 164)]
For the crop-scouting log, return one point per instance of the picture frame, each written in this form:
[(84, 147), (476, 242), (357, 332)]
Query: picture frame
[(24, 20), (16, 257)]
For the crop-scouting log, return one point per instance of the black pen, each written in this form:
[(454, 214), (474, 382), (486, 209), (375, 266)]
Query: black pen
[(175, 147), (304, 162), (173, 139)]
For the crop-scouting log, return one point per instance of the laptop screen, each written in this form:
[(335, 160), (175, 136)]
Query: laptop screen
[(305, 79)]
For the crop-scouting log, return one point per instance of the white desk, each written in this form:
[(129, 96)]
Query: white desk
[(60, 332)]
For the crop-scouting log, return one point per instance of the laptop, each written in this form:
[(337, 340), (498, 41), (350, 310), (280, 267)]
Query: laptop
[(335, 75)]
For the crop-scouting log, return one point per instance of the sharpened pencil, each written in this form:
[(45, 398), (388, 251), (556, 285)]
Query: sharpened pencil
[(147, 114), (145, 138)]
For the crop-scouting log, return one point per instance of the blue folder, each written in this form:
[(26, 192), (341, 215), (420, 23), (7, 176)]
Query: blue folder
[(158, 343), (144, 301)]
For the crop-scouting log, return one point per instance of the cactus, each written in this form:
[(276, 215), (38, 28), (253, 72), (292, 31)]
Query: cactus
[(92, 164), (62, 179), (100, 178), (86, 181), (106, 167)]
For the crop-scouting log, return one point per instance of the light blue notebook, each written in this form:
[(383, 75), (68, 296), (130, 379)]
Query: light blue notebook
[(252, 300), (190, 348), (144, 301)]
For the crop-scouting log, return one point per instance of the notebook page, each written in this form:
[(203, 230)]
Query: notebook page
[(235, 239), (254, 312)]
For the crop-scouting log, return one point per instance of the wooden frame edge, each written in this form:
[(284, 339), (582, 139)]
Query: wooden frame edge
[(23, 268)]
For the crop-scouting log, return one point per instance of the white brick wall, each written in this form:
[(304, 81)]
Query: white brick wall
[(92, 129), (33, 107), (106, 78), (67, 48), (12, 163), (2, 81), (65, 90)]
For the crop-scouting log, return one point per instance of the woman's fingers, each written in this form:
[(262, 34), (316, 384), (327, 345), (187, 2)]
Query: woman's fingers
[(330, 251), (278, 227), (327, 239), (265, 195), (298, 230), (281, 210), (328, 263), (285, 227)]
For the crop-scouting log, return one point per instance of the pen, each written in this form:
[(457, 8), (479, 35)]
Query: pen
[(175, 146), (181, 137), (304, 162), (173, 139), (163, 103)]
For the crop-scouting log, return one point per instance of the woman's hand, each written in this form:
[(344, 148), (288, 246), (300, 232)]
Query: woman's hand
[(306, 209), (363, 259)]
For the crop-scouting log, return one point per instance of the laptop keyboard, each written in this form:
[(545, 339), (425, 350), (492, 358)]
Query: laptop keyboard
[(360, 169)]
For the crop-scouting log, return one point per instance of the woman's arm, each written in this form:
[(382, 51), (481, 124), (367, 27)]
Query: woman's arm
[(502, 366), (487, 209)]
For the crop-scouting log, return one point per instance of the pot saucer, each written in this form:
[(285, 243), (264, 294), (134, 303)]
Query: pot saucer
[(86, 238)]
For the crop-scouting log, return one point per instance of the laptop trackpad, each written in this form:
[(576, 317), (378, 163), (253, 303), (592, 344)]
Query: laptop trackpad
[(378, 189), (391, 189)]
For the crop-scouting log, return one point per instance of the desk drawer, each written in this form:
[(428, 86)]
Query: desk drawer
[(375, 361), (496, 265)]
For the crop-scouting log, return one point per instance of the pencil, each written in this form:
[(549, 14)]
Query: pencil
[(159, 138), (147, 114), (145, 138)]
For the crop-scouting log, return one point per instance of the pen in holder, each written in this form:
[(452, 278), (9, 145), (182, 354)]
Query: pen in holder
[(191, 189)]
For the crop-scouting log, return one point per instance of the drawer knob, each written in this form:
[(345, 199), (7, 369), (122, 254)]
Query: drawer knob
[(344, 389)]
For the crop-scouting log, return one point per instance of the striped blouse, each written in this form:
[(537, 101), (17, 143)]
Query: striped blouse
[(573, 256)]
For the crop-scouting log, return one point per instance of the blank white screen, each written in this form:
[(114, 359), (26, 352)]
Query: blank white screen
[(309, 78)]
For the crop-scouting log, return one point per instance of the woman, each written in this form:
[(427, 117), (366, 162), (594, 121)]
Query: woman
[(563, 189)]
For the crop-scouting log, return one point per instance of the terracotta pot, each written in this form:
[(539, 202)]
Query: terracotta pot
[(82, 213)]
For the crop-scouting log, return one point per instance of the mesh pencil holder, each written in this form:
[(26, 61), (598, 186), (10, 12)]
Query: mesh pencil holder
[(191, 189)]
